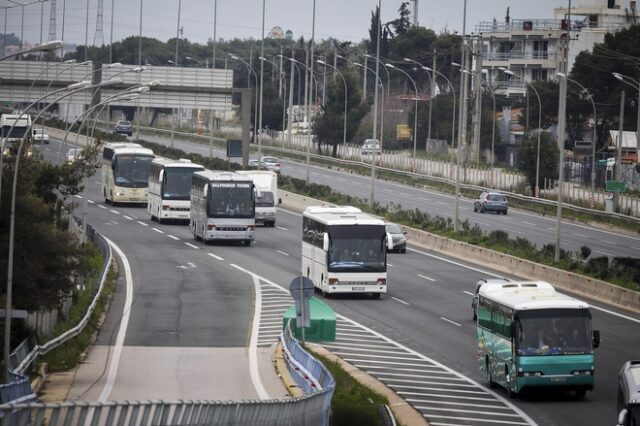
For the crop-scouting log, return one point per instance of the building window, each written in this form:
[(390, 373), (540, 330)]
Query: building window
[(541, 49), (539, 74)]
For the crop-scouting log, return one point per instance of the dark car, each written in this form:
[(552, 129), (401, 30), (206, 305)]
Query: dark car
[(491, 202), (399, 237), (123, 127), (480, 283)]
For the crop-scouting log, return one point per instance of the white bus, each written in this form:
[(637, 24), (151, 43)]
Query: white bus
[(222, 207), (529, 335), (170, 188), (125, 172), (345, 250)]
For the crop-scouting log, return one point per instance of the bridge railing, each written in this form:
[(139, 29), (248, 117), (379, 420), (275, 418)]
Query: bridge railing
[(310, 409)]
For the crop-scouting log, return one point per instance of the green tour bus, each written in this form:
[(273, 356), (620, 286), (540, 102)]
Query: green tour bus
[(529, 335)]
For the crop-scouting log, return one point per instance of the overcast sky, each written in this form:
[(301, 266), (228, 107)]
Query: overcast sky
[(341, 19)]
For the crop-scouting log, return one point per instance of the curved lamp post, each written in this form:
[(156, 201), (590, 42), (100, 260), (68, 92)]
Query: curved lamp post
[(357, 64), (255, 76), (430, 93), (595, 121), (511, 73), (46, 47), (415, 115)]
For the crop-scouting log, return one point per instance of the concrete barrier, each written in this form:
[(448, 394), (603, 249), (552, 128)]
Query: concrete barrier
[(577, 284)]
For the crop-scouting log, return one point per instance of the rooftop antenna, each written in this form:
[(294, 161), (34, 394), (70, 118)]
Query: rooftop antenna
[(98, 39), (52, 21)]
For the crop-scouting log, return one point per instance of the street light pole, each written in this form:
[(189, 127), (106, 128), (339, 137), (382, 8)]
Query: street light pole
[(379, 83), (430, 94), (462, 121), (344, 124), (310, 71), (493, 134), (512, 74), (261, 85), (255, 77), (595, 122), (453, 90), (375, 101), (415, 115)]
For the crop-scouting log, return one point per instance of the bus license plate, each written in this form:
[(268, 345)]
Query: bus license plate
[(558, 379), (357, 288)]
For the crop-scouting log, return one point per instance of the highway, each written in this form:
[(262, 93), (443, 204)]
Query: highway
[(422, 328), (538, 229)]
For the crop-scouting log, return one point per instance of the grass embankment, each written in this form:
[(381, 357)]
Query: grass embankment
[(352, 402), (70, 353)]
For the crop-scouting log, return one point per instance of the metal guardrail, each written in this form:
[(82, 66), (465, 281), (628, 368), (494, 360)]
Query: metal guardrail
[(54, 343), (338, 161), (18, 390), (311, 409)]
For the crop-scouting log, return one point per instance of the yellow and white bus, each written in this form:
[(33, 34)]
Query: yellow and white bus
[(170, 188), (345, 250), (125, 172)]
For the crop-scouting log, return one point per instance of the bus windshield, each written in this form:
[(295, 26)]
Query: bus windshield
[(132, 171), (176, 183), (265, 199), (553, 332), (230, 199), (357, 248)]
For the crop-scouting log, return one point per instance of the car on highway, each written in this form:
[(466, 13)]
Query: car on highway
[(491, 202), (72, 155), (267, 163), (123, 127), (370, 146), (480, 283), (399, 237), (40, 135)]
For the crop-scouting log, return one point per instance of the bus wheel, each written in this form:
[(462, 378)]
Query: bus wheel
[(488, 367), (580, 393), (510, 392)]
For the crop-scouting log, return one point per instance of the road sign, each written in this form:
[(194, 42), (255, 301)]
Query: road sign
[(615, 186), (302, 289)]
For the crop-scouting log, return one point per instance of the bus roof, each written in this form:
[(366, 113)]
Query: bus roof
[(182, 163), (118, 145), (341, 215), (217, 175), (529, 295)]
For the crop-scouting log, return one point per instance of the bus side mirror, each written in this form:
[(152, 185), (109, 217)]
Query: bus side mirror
[(389, 242), (512, 329), (622, 417), (596, 338), (325, 242)]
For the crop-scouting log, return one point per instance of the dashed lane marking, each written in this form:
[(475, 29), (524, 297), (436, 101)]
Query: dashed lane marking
[(426, 278), (398, 300), (192, 246), (142, 223), (159, 231), (215, 256), (280, 227), (449, 321), (282, 253), (114, 211), (173, 237)]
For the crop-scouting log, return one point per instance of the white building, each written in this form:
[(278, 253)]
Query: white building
[(531, 48)]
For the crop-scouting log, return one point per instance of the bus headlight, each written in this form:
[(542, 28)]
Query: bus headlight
[(119, 194), (211, 227), (381, 281), (251, 228), (530, 374), (334, 281), (582, 373)]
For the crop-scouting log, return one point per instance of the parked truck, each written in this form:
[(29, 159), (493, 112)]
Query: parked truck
[(266, 182)]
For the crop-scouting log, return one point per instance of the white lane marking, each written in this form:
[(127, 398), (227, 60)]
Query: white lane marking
[(142, 223), (78, 196), (607, 311), (193, 246), (551, 229), (91, 201), (181, 267), (467, 292), (604, 252), (452, 322), (398, 300), (253, 343), (426, 278), (609, 242), (158, 230), (529, 223), (471, 268), (97, 182), (101, 206), (388, 264), (215, 256), (191, 264), (405, 194), (128, 217), (280, 227), (114, 211), (124, 322), (424, 199), (282, 253), (172, 237), (387, 189), (636, 248), (410, 351), (580, 235)]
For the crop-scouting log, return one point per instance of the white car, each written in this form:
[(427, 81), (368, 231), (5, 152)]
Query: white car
[(40, 135), (72, 155), (267, 163)]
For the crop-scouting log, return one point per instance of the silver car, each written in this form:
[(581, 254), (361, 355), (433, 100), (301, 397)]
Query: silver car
[(399, 237), (491, 201)]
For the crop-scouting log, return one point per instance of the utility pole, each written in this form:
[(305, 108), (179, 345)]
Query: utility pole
[(477, 110), (618, 166), (364, 79), (432, 89)]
